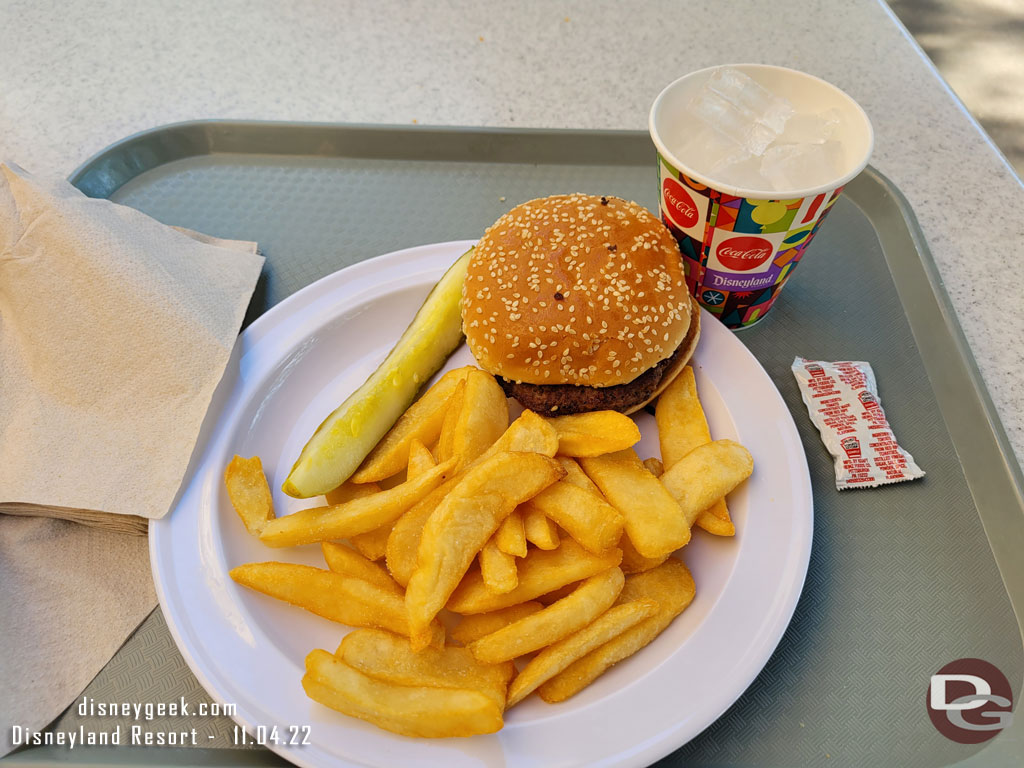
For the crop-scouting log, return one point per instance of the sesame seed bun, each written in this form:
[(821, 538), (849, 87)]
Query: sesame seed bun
[(576, 290)]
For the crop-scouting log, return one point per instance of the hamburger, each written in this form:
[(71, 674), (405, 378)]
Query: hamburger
[(578, 303)]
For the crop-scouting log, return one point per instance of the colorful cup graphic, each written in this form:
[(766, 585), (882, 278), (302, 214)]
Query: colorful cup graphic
[(741, 245)]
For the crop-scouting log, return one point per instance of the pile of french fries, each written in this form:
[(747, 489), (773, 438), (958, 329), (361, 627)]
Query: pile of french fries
[(549, 537)]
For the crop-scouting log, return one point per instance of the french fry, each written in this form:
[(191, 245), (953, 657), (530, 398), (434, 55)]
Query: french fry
[(576, 476), (249, 492), (463, 522), (633, 561), (540, 572), (651, 516), (408, 710), (671, 586), (654, 466), (511, 535), (471, 628), (557, 594), (482, 419), (497, 568), (595, 433), (704, 475), (387, 656), (528, 433), (716, 520), (560, 655), (589, 600), (584, 514), (477, 417), (349, 491), (403, 543), (353, 517), (373, 544), (341, 558), (420, 460), (446, 441), (421, 422), (391, 482), (334, 596), (682, 426), (540, 530)]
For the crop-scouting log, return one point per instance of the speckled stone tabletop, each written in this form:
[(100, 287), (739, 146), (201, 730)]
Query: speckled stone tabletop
[(76, 77)]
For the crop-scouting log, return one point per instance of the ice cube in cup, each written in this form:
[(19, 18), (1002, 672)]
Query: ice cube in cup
[(810, 128), (715, 149), (734, 122), (743, 172), (733, 104), (737, 88), (800, 166)]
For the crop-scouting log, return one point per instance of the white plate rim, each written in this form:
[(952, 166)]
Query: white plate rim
[(285, 322)]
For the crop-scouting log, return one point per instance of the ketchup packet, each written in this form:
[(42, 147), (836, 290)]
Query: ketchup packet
[(842, 400)]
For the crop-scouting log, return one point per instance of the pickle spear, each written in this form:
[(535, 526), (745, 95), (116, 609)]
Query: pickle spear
[(343, 440)]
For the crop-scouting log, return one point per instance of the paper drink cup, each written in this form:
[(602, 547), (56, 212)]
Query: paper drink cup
[(740, 246)]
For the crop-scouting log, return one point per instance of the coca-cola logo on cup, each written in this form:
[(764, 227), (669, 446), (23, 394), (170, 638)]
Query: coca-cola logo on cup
[(744, 253), (679, 206)]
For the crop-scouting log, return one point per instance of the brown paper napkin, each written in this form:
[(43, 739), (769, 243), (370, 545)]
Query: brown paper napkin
[(71, 596), (114, 331)]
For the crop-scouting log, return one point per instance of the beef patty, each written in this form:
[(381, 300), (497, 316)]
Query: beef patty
[(574, 398)]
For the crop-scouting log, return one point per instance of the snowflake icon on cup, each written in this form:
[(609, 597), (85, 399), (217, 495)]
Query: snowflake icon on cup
[(714, 298)]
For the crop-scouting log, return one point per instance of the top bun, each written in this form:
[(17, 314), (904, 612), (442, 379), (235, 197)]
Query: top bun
[(575, 289)]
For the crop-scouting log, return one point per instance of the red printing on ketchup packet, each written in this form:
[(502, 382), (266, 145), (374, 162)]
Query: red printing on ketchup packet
[(842, 401)]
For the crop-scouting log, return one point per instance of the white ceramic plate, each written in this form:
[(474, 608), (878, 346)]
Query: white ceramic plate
[(289, 370)]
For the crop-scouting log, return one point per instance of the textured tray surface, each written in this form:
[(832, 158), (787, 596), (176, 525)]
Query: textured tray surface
[(901, 580)]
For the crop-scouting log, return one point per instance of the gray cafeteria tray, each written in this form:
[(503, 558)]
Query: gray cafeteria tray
[(903, 579)]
